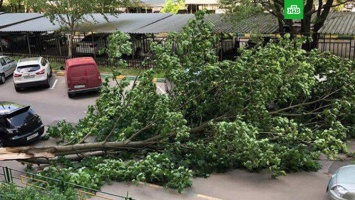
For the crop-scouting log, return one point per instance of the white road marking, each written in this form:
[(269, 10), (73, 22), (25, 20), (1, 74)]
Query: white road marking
[(207, 197), (55, 83)]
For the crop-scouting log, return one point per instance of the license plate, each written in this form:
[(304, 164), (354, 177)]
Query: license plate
[(29, 76), (79, 86), (32, 136)]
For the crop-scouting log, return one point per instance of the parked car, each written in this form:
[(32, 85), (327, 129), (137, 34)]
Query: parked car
[(45, 40), (32, 72), (92, 44), (13, 42), (7, 67), (82, 75), (19, 124), (341, 185)]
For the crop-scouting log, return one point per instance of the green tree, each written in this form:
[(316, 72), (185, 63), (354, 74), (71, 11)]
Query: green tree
[(71, 13), (277, 108), (171, 6)]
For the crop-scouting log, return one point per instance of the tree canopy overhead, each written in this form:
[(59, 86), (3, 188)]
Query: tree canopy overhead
[(276, 107)]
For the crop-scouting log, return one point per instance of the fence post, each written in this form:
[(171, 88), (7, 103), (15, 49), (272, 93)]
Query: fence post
[(8, 175)]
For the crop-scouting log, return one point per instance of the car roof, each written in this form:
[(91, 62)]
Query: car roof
[(7, 107), (28, 61), (3, 56), (79, 61)]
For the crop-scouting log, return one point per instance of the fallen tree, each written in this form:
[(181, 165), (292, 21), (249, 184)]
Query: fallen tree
[(276, 107)]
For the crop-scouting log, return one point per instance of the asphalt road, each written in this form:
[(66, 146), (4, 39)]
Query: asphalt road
[(53, 104)]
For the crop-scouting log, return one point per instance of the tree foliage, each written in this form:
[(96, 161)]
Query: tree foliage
[(276, 107), (12, 192), (171, 6)]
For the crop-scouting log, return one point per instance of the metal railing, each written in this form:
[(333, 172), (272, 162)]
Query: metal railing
[(25, 179)]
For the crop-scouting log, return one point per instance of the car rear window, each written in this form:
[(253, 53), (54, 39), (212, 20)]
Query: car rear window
[(21, 118), (28, 68)]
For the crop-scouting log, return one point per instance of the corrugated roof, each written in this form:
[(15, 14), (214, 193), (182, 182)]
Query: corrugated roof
[(221, 25), (336, 23), (262, 23), (153, 2), (173, 23), (125, 22), (14, 18), (339, 23), (35, 25)]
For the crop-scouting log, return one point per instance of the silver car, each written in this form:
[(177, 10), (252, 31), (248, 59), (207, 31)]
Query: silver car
[(341, 186), (7, 67)]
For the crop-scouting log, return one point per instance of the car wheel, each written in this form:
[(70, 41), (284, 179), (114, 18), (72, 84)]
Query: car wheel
[(18, 89), (50, 72), (2, 78), (70, 95), (47, 85)]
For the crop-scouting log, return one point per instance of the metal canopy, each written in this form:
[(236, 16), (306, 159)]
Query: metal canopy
[(141, 23), (339, 23), (8, 19), (126, 22), (173, 23)]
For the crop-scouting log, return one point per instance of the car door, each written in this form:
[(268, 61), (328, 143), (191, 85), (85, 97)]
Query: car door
[(2, 66), (10, 66)]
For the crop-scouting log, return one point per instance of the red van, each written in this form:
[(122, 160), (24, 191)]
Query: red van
[(82, 75)]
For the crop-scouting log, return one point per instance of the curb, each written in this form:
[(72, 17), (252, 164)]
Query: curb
[(60, 72)]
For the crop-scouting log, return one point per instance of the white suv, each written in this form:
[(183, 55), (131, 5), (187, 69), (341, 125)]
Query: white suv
[(32, 72)]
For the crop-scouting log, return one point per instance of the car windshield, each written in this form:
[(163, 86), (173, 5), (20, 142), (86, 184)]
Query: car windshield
[(21, 118), (28, 68)]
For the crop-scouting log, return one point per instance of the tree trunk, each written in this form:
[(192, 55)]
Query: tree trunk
[(30, 152), (320, 19)]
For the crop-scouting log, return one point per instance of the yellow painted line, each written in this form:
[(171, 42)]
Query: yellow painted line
[(207, 197), (120, 77), (60, 73)]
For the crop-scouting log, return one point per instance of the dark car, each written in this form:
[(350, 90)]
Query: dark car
[(12, 42), (19, 124), (45, 40)]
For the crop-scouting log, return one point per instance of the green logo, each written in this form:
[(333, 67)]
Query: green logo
[(293, 9)]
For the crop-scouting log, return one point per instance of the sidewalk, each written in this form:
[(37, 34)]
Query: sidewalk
[(240, 185)]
